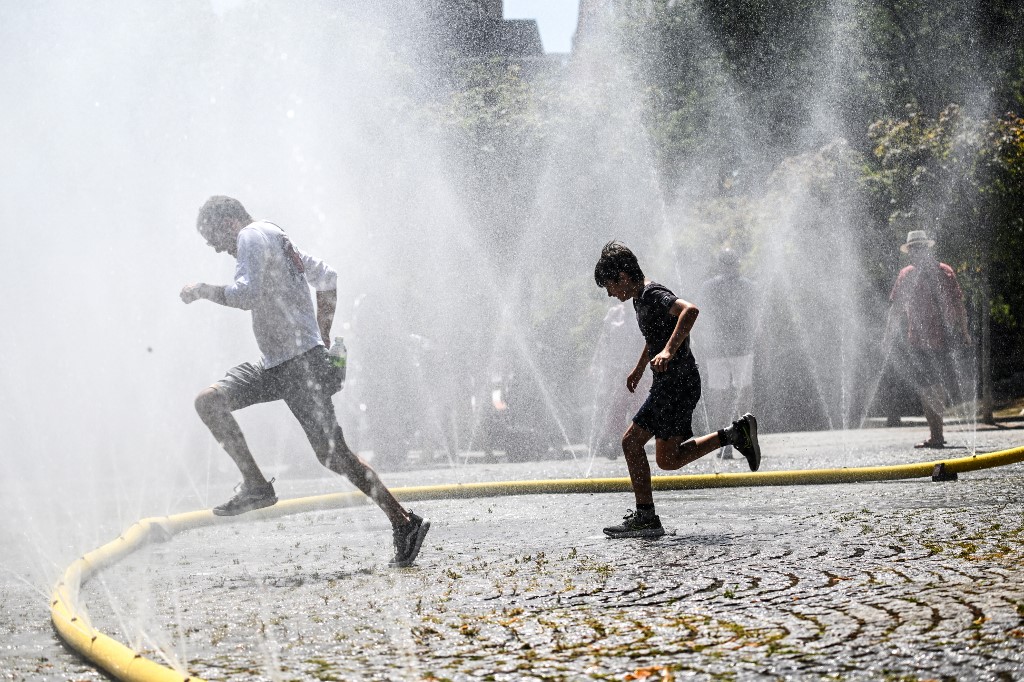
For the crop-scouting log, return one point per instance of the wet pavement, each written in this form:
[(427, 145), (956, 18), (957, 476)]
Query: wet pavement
[(904, 580)]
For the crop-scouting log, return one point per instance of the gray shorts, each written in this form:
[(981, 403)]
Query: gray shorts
[(305, 383)]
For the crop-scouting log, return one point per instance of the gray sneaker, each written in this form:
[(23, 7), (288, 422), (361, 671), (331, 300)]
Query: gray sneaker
[(636, 524), (408, 540), (248, 499), (745, 434)]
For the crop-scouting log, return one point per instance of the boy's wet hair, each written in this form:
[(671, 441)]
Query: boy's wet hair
[(615, 258), (217, 209)]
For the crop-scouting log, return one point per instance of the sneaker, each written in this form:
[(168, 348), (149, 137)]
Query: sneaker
[(408, 540), (248, 499), (744, 431), (726, 453), (636, 524)]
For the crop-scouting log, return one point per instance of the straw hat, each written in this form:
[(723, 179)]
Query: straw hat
[(917, 238)]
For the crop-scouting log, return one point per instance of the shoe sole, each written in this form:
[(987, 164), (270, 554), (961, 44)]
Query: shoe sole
[(637, 534), (421, 533), (218, 511), (754, 459)]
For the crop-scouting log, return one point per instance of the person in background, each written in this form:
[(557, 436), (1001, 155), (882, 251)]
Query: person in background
[(665, 322), (727, 340), (927, 300), (273, 280)]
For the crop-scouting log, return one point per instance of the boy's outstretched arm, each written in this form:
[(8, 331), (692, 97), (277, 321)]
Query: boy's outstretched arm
[(633, 380), (685, 314), (211, 292)]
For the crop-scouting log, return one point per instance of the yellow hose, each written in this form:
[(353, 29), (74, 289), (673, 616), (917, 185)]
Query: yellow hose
[(122, 663)]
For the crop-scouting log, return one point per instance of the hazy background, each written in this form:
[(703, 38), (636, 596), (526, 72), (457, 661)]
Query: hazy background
[(463, 199), (121, 120)]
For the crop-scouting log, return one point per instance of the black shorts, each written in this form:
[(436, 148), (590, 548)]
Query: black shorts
[(668, 410)]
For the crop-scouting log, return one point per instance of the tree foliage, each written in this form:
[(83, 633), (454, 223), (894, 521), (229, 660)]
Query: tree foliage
[(734, 95)]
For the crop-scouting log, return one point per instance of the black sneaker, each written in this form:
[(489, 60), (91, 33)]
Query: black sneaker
[(248, 499), (637, 525), (408, 540), (744, 431)]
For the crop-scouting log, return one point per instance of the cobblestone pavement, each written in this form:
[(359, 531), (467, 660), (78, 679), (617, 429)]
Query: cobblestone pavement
[(908, 580)]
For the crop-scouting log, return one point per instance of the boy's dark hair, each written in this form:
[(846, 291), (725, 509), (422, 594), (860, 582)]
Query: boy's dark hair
[(217, 209), (615, 258)]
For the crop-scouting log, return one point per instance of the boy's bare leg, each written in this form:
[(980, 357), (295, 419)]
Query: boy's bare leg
[(643, 523), (724, 402), (673, 454), (315, 413), (633, 443), (341, 460), (214, 410)]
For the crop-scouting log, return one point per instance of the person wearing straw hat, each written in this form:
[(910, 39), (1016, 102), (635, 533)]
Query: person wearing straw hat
[(927, 299)]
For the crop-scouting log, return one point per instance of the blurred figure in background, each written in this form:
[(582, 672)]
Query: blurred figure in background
[(927, 300), (727, 340)]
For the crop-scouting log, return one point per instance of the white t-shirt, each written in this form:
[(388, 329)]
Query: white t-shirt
[(272, 279)]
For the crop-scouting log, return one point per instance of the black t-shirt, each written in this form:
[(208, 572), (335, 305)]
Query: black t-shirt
[(657, 324)]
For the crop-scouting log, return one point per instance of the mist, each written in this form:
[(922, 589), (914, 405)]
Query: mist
[(459, 273)]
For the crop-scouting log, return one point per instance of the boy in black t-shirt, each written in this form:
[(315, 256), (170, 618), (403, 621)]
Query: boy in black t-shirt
[(665, 322)]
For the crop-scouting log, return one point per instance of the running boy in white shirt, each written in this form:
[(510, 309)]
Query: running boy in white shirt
[(272, 279)]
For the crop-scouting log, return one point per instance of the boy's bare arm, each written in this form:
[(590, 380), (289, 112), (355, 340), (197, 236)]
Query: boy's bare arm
[(211, 292), (633, 380), (685, 314)]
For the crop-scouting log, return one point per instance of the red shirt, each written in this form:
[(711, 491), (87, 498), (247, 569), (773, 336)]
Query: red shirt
[(933, 304)]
